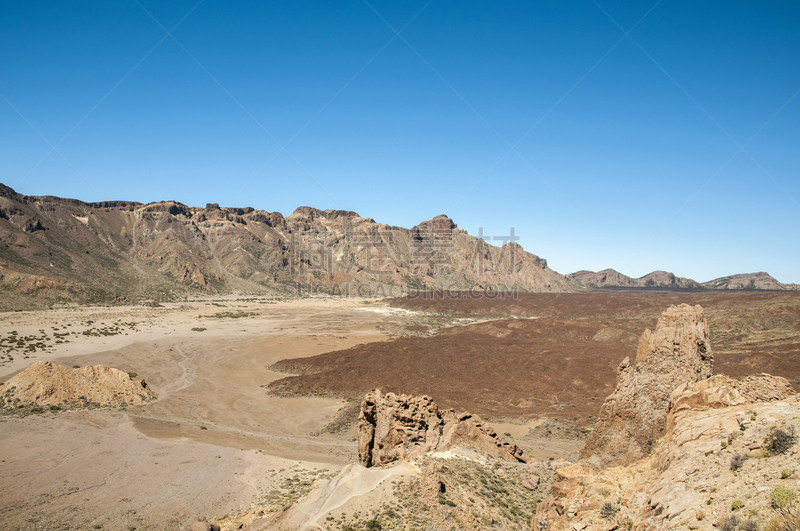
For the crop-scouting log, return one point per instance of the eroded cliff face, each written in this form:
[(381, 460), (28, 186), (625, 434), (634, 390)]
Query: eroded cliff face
[(634, 416), (395, 427), (690, 481)]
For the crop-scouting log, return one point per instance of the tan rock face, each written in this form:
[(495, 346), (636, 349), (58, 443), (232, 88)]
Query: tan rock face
[(687, 482), (634, 416), (46, 384), (393, 427)]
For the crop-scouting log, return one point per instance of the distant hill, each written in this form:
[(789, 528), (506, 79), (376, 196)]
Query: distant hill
[(749, 281), (64, 249), (611, 278)]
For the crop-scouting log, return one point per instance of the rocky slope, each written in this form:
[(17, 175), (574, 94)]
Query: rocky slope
[(722, 458), (53, 248), (420, 468), (680, 449), (44, 384)]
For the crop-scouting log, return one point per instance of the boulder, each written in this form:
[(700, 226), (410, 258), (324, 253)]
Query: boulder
[(393, 427), (634, 416)]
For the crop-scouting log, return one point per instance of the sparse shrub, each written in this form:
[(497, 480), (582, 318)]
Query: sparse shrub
[(132, 375), (609, 510), (786, 519), (737, 460), (737, 504), (782, 497), (733, 435), (778, 441), (786, 473), (729, 523), (373, 525), (749, 525)]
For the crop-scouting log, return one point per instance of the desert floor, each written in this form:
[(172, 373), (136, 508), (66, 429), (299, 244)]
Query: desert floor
[(214, 442)]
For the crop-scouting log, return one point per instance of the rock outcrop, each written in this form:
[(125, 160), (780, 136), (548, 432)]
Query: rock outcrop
[(689, 481), (44, 384), (394, 427), (634, 416)]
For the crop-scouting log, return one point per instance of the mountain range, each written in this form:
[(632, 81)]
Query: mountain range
[(56, 249)]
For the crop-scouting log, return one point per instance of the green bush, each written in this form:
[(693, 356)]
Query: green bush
[(782, 497), (737, 504)]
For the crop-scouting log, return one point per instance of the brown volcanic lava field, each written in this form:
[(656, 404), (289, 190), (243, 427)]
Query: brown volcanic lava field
[(549, 355)]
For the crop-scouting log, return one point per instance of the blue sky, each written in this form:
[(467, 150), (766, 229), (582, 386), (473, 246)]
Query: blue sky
[(631, 135)]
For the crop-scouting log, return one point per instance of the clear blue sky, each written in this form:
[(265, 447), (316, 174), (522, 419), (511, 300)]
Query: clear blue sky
[(631, 135)]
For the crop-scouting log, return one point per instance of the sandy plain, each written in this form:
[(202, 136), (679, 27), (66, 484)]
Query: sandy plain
[(213, 443)]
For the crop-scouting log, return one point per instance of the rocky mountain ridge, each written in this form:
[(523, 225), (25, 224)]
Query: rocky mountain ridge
[(754, 281), (609, 278), (53, 248), (612, 278)]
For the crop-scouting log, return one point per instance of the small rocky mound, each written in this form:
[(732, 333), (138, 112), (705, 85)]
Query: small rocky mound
[(393, 427), (44, 384), (634, 416)]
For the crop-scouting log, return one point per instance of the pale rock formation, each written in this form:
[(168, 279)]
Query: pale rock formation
[(46, 384), (687, 482), (394, 427), (634, 416)]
